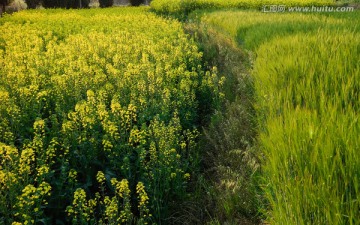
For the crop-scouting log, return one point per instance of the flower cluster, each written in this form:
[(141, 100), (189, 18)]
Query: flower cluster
[(143, 201)]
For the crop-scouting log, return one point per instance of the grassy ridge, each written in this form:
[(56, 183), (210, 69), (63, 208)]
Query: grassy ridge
[(98, 116), (306, 70), (230, 162)]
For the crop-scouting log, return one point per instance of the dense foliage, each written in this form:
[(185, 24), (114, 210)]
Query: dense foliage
[(98, 116), (306, 71)]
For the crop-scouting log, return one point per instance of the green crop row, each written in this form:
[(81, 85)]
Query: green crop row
[(306, 72), (98, 116)]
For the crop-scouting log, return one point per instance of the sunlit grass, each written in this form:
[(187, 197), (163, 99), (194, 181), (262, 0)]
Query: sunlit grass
[(306, 73), (310, 137)]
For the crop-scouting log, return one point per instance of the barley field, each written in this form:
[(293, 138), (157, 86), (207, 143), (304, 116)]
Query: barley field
[(306, 71)]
